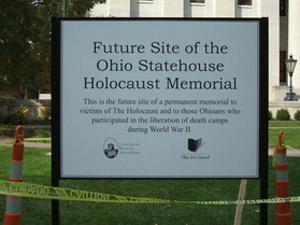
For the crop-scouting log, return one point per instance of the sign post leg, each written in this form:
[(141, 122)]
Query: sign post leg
[(55, 205), (263, 207)]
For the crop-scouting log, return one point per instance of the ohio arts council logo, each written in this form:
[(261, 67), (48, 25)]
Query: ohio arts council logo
[(110, 148), (193, 145)]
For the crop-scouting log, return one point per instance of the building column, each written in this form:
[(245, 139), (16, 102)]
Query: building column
[(270, 9), (173, 8), (294, 39), (225, 8), (119, 8)]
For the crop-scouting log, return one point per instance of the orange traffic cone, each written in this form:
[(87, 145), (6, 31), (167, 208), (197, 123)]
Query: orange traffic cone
[(283, 215), (12, 215)]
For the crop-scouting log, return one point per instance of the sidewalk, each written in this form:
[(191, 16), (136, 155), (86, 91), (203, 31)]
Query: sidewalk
[(290, 153), (9, 142)]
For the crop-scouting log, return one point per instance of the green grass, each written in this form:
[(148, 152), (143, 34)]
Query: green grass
[(38, 140), (291, 137), (38, 212), (281, 123), (291, 130), (8, 131), (36, 170)]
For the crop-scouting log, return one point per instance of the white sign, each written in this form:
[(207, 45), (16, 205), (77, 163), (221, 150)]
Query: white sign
[(159, 98)]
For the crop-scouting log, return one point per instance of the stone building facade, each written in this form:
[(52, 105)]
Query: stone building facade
[(284, 28)]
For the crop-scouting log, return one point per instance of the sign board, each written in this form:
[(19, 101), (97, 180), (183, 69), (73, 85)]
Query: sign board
[(159, 98)]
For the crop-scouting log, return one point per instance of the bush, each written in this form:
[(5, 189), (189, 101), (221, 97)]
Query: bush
[(283, 114), (8, 131), (39, 122), (43, 133), (15, 119), (23, 110), (2, 119), (45, 113), (18, 118), (297, 115), (270, 115)]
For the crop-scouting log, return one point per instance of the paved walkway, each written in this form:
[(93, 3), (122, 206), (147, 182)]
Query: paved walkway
[(290, 153), (9, 142)]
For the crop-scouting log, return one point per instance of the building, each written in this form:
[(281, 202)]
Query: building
[(284, 28)]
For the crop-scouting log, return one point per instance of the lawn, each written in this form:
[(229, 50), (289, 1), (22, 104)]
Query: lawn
[(38, 140), (37, 170), (291, 130), (284, 123)]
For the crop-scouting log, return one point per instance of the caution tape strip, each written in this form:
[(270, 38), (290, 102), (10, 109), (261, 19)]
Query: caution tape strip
[(48, 192)]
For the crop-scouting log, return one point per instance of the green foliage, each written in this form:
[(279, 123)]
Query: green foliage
[(3, 81), (283, 114), (23, 110), (20, 117), (270, 115), (8, 131), (297, 115), (45, 113), (42, 133), (39, 122), (2, 119), (16, 55), (25, 41), (6, 97), (14, 119)]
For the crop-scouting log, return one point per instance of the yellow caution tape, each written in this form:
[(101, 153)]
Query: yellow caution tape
[(48, 192)]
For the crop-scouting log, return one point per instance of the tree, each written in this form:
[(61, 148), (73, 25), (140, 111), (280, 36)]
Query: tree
[(15, 48), (25, 41)]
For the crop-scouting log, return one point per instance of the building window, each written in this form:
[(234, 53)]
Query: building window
[(197, 1), (244, 2), (283, 8), (283, 74)]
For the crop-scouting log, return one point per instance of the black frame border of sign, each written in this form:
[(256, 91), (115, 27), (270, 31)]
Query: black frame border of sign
[(263, 105)]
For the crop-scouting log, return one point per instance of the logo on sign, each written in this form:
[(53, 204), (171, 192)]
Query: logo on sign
[(111, 148), (193, 145)]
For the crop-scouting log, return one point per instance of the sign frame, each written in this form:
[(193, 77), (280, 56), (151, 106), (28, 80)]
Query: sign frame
[(263, 105), (57, 95)]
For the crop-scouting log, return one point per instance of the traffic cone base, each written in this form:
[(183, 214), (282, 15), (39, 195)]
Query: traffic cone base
[(12, 218), (283, 218)]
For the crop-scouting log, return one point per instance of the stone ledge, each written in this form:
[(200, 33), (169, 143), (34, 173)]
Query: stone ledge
[(291, 106)]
